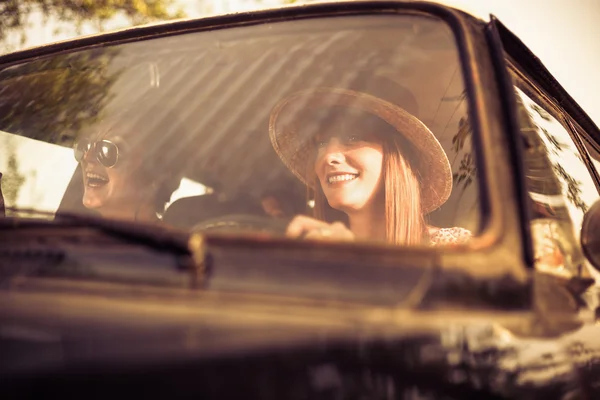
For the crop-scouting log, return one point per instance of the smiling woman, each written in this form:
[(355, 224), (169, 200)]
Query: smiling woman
[(375, 169), (120, 179)]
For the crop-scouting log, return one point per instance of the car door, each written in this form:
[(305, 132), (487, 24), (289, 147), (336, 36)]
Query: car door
[(560, 156), (560, 179)]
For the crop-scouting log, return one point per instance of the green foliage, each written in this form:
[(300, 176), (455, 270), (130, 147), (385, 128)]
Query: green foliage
[(53, 99), (538, 162), (467, 169), (573, 187), (14, 14), (12, 178)]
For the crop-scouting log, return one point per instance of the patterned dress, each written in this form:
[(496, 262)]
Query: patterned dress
[(448, 236)]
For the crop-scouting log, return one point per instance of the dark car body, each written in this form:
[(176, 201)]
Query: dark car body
[(95, 308)]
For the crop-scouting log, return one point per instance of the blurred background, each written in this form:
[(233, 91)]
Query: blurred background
[(563, 33)]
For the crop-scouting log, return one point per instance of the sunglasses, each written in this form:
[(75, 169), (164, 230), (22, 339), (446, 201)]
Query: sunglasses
[(105, 151)]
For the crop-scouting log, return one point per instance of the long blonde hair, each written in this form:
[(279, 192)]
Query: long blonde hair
[(404, 219)]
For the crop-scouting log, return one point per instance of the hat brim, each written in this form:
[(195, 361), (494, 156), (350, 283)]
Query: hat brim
[(435, 173)]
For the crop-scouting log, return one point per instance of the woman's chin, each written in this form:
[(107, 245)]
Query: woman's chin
[(345, 206), (92, 202)]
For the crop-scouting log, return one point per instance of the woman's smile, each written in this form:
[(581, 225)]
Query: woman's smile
[(340, 178), (96, 179)]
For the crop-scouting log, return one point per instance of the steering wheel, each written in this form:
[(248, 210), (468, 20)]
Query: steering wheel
[(235, 223)]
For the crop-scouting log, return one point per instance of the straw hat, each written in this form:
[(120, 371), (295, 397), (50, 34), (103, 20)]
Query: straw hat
[(290, 114)]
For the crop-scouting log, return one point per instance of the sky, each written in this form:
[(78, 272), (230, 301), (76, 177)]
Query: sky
[(564, 34)]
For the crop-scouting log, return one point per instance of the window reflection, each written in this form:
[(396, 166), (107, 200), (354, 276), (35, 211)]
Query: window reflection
[(560, 187), (553, 146)]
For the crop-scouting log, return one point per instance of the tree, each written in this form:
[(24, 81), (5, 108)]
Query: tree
[(15, 14), (53, 99), (467, 170)]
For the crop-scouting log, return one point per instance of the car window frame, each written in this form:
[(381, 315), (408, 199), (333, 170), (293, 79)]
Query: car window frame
[(587, 140), (500, 233)]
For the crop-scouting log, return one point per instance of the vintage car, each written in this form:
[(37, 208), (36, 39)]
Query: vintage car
[(177, 216)]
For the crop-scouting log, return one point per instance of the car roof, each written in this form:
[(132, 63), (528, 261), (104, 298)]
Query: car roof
[(179, 25)]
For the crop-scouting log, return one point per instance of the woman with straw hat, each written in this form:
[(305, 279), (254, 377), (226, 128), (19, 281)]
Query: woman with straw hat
[(374, 168)]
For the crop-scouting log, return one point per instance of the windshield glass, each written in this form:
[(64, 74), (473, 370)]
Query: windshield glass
[(346, 128)]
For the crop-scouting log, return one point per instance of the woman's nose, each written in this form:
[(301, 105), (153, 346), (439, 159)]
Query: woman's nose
[(333, 152), (88, 155)]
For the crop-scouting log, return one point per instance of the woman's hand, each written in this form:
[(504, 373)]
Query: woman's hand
[(304, 227)]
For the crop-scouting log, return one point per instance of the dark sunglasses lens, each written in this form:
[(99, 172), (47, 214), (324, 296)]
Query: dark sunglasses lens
[(107, 153), (80, 149)]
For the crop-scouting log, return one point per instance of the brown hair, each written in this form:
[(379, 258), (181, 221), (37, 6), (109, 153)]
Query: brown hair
[(404, 217)]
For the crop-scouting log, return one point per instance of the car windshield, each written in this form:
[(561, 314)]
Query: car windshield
[(355, 120)]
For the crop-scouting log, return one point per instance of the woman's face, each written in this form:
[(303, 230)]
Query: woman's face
[(108, 186), (348, 165)]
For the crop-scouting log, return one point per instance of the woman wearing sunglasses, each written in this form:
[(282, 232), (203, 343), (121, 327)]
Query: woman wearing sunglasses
[(374, 169), (127, 173)]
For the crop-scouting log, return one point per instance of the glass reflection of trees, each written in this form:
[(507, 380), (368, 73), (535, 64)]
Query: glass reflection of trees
[(55, 98), (467, 168), (557, 147), (544, 150), (460, 154)]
